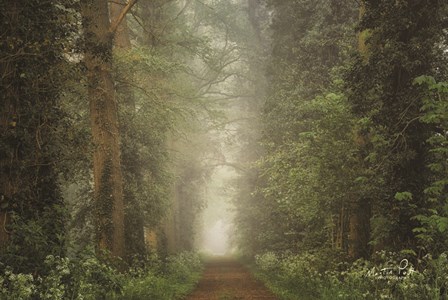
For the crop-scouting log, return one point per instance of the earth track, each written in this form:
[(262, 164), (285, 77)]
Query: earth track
[(227, 279)]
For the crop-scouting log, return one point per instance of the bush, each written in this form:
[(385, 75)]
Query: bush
[(290, 275), (90, 279), (63, 279), (172, 281), (16, 286), (386, 276)]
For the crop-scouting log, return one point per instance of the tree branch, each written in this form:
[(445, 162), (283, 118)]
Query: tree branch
[(116, 23), (235, 166)]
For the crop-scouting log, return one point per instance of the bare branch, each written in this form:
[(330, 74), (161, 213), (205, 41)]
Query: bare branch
[(116, 2), (176, 17), (116, 23), (237, 167)]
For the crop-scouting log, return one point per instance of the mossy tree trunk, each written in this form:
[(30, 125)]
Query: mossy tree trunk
[(108, 179), (131, 167), (360, 208)]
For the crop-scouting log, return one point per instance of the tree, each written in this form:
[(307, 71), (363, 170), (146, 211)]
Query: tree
[(310, 43), (383, 97), (133, 166), (433, 218), (33, 125), (108, 179)]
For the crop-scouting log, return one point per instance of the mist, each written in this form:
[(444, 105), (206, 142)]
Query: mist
[(217, 217)]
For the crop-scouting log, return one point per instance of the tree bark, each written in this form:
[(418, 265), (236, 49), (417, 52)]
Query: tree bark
[(359, 229), (153, 18), (108, 179), (134, 218), (8, 122), (360, 210)]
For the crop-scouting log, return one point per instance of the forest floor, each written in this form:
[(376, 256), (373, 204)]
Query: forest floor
[(227, 279)]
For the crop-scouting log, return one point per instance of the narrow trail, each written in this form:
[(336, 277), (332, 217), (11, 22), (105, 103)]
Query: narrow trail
[(227, 279)]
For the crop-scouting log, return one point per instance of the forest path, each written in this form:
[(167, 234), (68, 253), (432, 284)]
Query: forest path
[(227, 279)]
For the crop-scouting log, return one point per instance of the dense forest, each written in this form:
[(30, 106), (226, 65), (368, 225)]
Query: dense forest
[(327, 120)]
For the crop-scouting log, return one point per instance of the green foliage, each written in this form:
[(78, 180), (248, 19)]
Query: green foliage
[(352, 142), (307, 169), (311, 177), (174, 281), (434, 219), (34, 127), (104, 206), (147, 114), (16, 286), (289, 276), (380, 89), (88, 278), (157, 101), (403, 196), (63, 278), (386, 276), (30, 245)]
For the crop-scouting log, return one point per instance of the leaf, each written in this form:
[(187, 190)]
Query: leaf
[(420, 230), (442, 224), (408, 252), (424, 79), (403, 196)]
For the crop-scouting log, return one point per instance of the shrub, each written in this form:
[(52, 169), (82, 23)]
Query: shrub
[(63, 278), (16, 286), (173, 281), (386, 276), (290, 275), (90, 279)]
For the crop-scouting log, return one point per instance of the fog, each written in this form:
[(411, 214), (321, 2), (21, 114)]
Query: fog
[(217, 218)]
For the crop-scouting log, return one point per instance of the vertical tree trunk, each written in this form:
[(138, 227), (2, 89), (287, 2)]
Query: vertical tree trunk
[(8, 121), (362, 46), (359, 229), (253, 18), (133, 218), (108, 181), (338, 230), (354, 235), (154, 21), (7, 156), (360, 210)]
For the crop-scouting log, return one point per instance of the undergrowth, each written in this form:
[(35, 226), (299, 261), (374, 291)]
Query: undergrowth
[(386, 276), (88, 278)]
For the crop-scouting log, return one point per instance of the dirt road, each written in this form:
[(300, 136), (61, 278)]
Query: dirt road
[(226, 279)]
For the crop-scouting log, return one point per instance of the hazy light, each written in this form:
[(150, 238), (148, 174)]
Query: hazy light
[(216, 238)]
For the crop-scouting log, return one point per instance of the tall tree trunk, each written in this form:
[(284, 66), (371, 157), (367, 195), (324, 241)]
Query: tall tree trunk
[(339, 231), (134, 217), (8, 121), (360, 210), (108, 180), (154, 21), (253, 6), (359, 229)]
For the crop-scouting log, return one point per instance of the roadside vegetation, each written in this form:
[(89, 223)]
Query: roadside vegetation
[(349, 171), (91, 278), (385, 276)]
